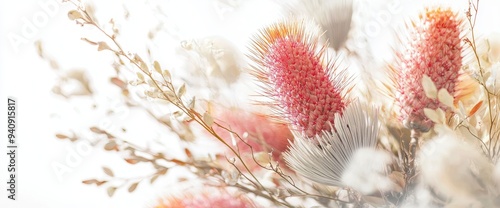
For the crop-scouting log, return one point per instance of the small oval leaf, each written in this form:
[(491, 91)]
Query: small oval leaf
[(431, 114), (429, 87), (108, 171), (157, 67), (475, 108), (207, 118), (166, 75), (111, 191), (132, 187), (181, 90), (118, 82), (153, 179), (445, 98), (97, 130), (111, 145), (90, 181), (61, 136), (140, 76), (102, 46), (74, 15)]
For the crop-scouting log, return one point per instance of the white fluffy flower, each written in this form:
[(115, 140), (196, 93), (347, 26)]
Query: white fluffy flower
[(455, 169), (366, 171)]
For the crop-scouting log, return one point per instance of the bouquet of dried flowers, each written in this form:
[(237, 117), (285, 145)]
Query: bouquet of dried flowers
[(315, 134)]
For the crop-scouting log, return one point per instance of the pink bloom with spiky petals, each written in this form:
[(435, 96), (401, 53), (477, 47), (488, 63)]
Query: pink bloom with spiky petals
[(257, 133), (289, 63), (206, 199), (434, 49)]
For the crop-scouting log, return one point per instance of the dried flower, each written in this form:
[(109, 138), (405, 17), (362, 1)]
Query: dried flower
[(256, 130), (214, 56), (434, 49), (289, 64), (366, 171), (325, 159), (455, 169), (206, 199), (334, 17)]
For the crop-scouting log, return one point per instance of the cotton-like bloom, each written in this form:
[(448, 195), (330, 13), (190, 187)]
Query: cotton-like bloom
[(456, 170), (366, 171), (326, 158), (434, 49), (290, 65), (206, 199)]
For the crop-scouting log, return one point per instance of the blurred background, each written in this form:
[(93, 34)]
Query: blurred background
[(39, 45)]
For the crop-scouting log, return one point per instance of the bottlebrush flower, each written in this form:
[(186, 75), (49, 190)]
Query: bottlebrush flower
[(255, 130), (434, 49), (206, 199), (325, 159), (289, 64)]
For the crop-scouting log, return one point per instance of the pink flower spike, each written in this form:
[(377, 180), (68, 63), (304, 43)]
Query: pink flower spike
[(290, 65), (255, 131), (434, 48), (204, 199)]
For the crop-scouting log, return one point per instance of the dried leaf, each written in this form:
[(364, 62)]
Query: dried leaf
[(445, 98), (97, 130), (94, 181), (192, 103), (102, 46), (131, 161), (108, 171), (188, 153), (111, 191), (89, 41), (141, 159), (132, 187), (61, 136), (153, 179), (74, 15), (157, 67), (111, 145), (140, 76), (429, 87), (178, 162), (431, 114), (182, 90), (90, 181), (475, 108), (170, 96), (441, 115), (118, 82), (207, 118), (262, 158), (141, 63), (177, 114), (166, 75), (162, 171)]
